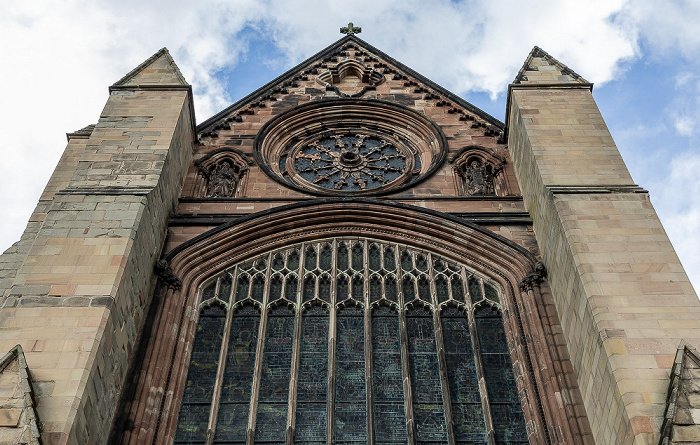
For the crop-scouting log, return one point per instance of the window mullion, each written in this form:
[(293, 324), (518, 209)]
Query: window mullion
[(447, 404), (296, 346), (407, 391), (250, 433), (485, 404), (330, 394), (214, 411)]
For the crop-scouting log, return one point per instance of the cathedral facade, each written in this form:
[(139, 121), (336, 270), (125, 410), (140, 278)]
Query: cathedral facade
[(351, 254)]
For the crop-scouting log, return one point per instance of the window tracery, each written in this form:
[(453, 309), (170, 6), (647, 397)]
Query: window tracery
[(319, 341)]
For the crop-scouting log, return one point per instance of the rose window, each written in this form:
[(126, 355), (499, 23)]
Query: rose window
[(352, 161)]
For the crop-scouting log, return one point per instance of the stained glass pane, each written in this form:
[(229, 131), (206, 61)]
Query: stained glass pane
[(387, 377), (274, 380), (439, 265), (261, 265), (232, 420), (358, 257), (309, 288), (350, 389), (204, 361), (342, 288), (290, 288), (275, 287), (242, 288), (375, 258), (409, 292), (474, 289), (406, 261), (208, 291), (258, 287), (390, 288), (293, 260), (312, 386), (358, 291), (342, 257), (467, 411), (389, 259), (441, 289), (491, 292), (506, 411), (425, 377), (424, 289), (278, 262), (225, 290), (310, 258), (324, 288), (325, 259), (457, 289), (421, 263), (375, 288)]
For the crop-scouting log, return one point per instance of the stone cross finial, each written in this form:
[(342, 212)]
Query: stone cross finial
[(350, 29)]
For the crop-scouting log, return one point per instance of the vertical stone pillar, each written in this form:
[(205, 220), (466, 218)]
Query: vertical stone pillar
[(78, 301), (620, 291)]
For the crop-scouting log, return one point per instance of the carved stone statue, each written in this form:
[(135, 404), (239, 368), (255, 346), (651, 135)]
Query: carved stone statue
[(222, 183), (478, 179)]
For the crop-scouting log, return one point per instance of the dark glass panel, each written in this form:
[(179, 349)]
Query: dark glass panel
[(290, 288), (350, 390), (424, 289), (390, 289), (358, 257), (342, 257), (258, 287), (231, 423), (274, 380), (309, 291), (457, 288), (439, 265), (389, 259), (208, 291), (310, 258), (375, 258), (324, 288), (358, 290), (442, 289), (491, 292), (506, 410), (409, 292), (225, 290), (325, 259), (293, 261), (425, 377), (201, 375), (406, 261), (278, 262), (276, 283), (242, 288), (312, 386), (421, 262), (375, 288), (387, 376), (342, 288), (467, 411), (261, 265), (474, 289)]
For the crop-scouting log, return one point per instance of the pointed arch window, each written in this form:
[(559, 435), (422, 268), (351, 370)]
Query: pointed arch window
[(353, 341)]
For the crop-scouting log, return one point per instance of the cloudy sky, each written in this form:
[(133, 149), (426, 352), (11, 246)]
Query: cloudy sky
[(57, 59)]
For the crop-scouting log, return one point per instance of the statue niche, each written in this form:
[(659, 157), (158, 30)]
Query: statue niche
[(479, 173), (220, 175)]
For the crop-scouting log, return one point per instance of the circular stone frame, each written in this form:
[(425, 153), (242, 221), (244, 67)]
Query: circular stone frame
[(285, 133)]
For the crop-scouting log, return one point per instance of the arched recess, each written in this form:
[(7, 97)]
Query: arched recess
[(220, 174), (479, 172), (151, 403)]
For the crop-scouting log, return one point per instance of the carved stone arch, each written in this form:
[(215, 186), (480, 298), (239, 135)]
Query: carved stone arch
[(221, 174), (333, 78), (171, 329), (479, 171)]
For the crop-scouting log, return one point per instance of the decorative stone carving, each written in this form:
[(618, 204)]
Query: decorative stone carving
[(534, 278), (165, 273), (223, 181), (221, 174), (479, 173), (479, 179)]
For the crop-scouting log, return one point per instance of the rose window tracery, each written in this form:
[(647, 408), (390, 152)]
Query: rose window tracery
[(352, 161)]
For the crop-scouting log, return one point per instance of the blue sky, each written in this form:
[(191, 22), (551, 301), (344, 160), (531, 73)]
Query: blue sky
[(58, 58)]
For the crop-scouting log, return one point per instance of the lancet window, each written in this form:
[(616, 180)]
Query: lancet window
[(354, 341)]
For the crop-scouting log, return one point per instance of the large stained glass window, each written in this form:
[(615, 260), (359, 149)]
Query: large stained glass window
[(350, 341)]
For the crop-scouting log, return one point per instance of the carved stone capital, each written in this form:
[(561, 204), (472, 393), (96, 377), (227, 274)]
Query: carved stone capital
[(166, 275), (534, 278)]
